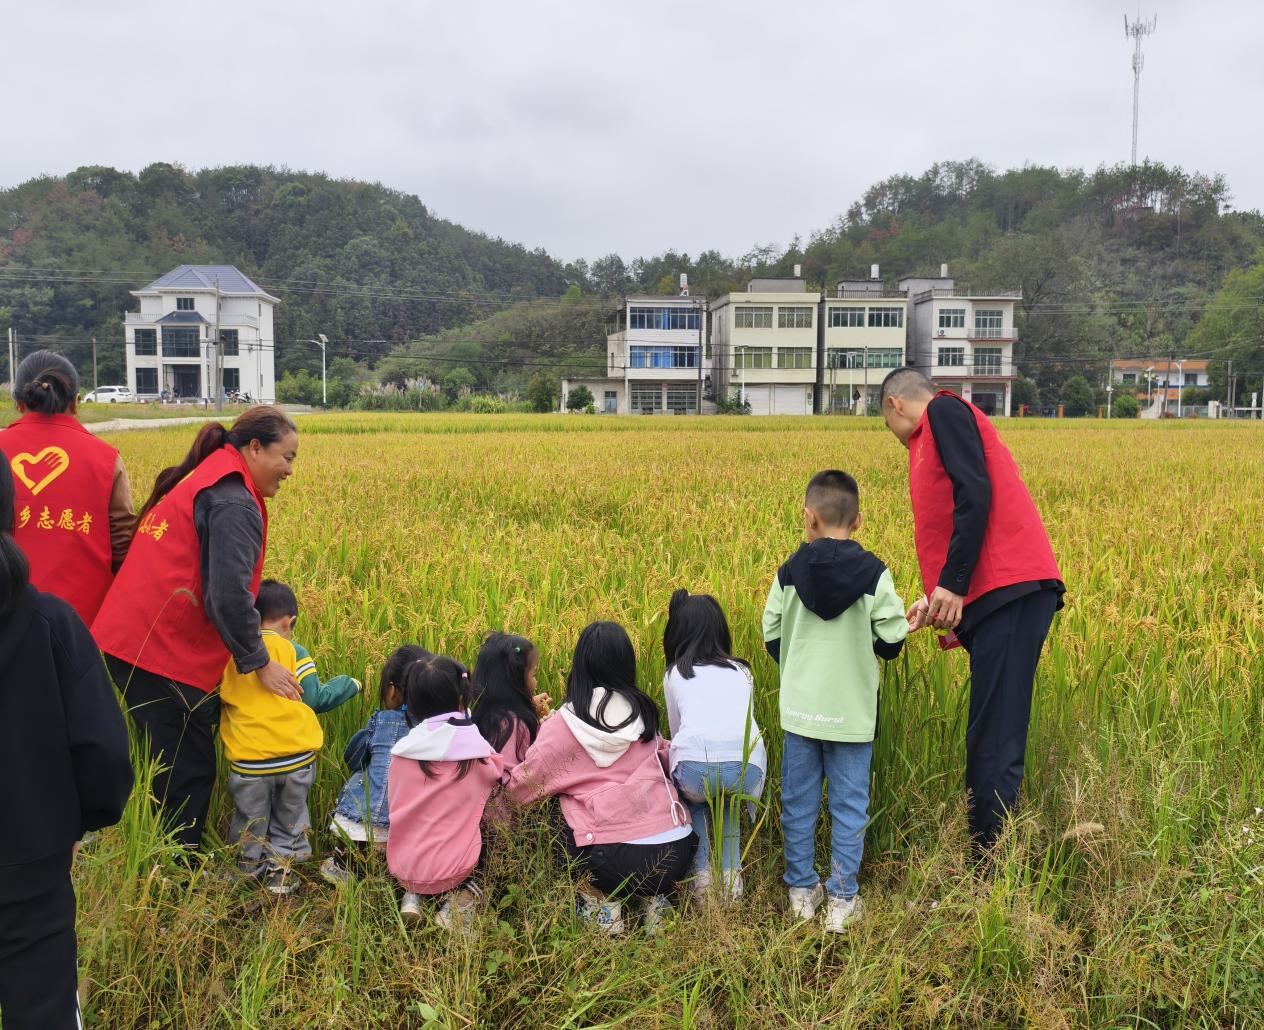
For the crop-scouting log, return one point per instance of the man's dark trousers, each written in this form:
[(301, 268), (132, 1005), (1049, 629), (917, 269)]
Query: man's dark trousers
[(1004, 651)]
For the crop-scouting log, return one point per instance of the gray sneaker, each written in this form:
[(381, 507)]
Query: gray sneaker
[(280, 881), (410, 907), (332, 872)]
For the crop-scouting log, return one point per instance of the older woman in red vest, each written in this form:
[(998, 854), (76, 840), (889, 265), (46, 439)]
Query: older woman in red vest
[(989, 573), (72, 502), (183, 602)]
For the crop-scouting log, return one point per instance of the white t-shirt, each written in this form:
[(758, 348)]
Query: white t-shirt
[(709, 714)]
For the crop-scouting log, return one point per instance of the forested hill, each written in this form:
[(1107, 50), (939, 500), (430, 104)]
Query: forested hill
[(1119, 261), (353, 260)]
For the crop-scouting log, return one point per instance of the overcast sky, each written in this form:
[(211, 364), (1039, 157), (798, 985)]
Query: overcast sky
[(589, 127)]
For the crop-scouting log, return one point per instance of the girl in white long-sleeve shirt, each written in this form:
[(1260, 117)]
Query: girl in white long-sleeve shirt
[(717, 752)]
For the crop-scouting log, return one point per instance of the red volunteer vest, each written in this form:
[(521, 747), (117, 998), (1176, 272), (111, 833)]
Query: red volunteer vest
[(153, 617), (1016, 548), (63, 478)]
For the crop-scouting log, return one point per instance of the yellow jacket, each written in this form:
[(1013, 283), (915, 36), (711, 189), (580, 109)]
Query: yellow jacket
[(264, 734)]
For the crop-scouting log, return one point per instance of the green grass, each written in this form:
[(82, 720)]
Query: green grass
[(1127, 893)]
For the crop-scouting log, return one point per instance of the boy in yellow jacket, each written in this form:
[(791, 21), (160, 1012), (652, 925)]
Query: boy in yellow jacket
[(271, 744)]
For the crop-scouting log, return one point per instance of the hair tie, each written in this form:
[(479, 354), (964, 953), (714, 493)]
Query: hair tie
[(517, 649), (465, 675), (42, 385)]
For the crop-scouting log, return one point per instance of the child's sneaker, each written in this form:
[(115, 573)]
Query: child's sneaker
[(700, 884), (733, 885), (410, 907), (804, 901), (654, 912), (842, 912), (457, 910), (332, 872), (280, 881), (605, 913)]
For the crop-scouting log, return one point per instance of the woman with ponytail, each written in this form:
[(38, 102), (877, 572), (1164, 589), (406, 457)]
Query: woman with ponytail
[(184, 602), (72, 503), (64, 760)]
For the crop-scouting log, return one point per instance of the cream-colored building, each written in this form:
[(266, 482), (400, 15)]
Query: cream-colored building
[(964, 340), (764, 346), (864, 327)]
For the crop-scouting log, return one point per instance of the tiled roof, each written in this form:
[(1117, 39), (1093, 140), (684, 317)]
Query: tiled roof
[(204, 277)]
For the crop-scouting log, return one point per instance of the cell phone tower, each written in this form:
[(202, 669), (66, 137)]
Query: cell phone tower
[(1137, 30)]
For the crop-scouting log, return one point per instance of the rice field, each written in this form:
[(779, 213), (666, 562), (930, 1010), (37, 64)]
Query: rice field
[(1129, 892)]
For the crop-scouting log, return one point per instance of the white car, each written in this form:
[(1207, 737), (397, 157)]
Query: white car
[(109, 395)]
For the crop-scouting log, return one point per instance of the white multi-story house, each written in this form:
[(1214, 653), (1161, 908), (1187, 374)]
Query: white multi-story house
[(864, 334), (964, 341), (764, 346), (170, 341), (655, 360)]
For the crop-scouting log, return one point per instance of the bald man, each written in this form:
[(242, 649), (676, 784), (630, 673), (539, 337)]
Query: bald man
[(989, 574)]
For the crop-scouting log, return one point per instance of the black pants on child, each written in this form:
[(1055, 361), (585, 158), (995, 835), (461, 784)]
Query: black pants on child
[(633, 870), (38, 975), (178, 723), (1004, 651)]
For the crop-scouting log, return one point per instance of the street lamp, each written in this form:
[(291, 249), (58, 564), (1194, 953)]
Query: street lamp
[(1180, 385), (1149, 382), (322, 341)]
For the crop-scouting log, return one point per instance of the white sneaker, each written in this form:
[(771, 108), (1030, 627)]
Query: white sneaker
[(332, 872), (604, 913), (804, 901), (700, 884), (842, 912), (410, 907), (457, 910), (654, 912), (733, 885)]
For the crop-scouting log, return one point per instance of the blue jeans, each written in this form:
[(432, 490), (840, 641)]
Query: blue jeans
[(805, 762), (711, 786)]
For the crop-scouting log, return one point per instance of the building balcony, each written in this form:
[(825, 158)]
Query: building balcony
[(1007, 335), (989, 370)]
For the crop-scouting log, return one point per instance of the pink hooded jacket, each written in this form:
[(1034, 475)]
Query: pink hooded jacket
[(435, 837), (613, 787)]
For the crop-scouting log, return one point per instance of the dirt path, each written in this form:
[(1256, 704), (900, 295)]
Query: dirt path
[(115, 425)]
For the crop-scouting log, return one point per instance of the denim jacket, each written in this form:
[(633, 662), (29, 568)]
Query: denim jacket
[(368, 755)]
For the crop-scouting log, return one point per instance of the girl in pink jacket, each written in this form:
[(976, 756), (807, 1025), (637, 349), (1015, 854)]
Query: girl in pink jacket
[(440, 777), (601, 755)]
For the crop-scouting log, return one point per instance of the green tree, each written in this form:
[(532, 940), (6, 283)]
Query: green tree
[(1076, 396), (1025, 392), (579, 398), (1125, 406), (542, 392)]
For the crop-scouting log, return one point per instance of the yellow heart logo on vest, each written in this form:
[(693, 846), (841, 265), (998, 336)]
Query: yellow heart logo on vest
[(50, 463)]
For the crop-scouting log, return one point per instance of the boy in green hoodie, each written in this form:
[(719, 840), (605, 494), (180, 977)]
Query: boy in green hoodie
[(831, 613)]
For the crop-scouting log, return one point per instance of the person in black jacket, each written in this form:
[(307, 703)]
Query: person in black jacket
[(63, 754)]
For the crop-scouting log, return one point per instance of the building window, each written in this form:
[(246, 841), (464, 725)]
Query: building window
[(885, 357), (179, 342), (988, 324), (232, 380), (1130, 377), (951, 357), (184, 303), (846, 318), (646, 399), (146, 342), (228, 337), (147, 380), (794, 357), (952, 318), (750, 316), (862, 357), (682, 400), (886, 318), (987, 361), (797, 317), (642, 317), (663, 356), (752, 357)]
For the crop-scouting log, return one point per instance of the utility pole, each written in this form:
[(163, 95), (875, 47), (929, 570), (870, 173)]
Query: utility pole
[(1138, 30), (324, 381), (1180, 388), (219, 356), (13, 357), (864, 395), (1110, 385), (1167, 382), (94, 363)]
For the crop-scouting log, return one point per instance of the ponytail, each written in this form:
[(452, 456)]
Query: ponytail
[(264, 422), (46, 383), (14, 571)]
